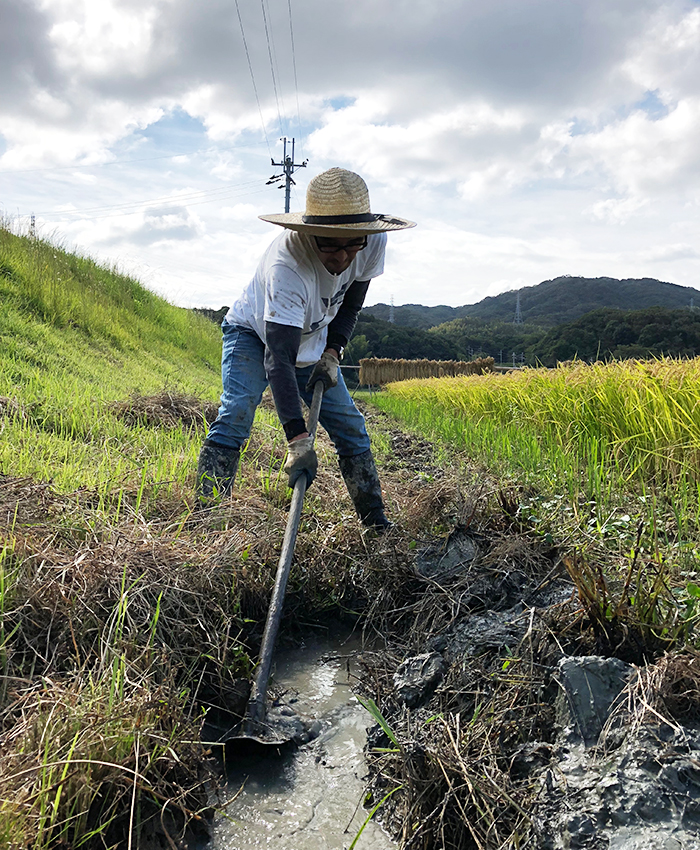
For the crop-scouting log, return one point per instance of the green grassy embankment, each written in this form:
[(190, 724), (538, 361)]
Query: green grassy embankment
[(75, 337)]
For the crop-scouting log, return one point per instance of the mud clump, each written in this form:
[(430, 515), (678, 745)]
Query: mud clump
[(417, 677), (507, 734), (622, 775)]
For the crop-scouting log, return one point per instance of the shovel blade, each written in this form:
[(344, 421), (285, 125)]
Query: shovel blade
[(245, 746)]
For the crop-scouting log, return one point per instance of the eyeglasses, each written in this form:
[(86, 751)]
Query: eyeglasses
[(330, 246)]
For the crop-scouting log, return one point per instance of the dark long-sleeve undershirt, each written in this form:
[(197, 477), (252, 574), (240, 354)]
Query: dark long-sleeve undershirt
[(343, 324), (282, 346)]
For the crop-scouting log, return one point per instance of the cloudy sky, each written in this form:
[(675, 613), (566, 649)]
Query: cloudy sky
[(528, 138)]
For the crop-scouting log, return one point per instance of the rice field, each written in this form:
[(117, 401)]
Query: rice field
[(611, 444)]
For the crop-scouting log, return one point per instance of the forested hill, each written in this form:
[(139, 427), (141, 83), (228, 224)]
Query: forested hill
[(550, 303), (587, 318)]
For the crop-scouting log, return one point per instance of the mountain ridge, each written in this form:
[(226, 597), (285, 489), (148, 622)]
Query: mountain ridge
[(552, 302)]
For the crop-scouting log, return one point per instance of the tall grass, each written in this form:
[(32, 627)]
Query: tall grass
[(63, 290), (606, 436), (95, 692), (75, 337)]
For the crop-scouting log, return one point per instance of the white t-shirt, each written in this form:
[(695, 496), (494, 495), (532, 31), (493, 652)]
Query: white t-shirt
[(292, 287)]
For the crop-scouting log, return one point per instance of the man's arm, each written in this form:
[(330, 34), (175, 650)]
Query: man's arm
[(281, 348), (343, 324)]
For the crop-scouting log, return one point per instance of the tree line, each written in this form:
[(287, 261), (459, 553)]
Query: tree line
[(602, 334)]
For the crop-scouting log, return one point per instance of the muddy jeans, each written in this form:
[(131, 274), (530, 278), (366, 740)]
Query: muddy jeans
[(244, 381)]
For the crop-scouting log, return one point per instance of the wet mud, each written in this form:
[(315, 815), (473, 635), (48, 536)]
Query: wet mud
[(577, 750), (310, 796)]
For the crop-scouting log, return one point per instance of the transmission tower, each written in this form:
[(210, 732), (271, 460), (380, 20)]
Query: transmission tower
[(288, 166), (518, 320), (391, 310)]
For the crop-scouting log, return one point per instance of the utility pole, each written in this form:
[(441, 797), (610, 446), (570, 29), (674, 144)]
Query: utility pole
[(288, 166)]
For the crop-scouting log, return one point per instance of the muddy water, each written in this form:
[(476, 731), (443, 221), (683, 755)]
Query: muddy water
[(309, 799)]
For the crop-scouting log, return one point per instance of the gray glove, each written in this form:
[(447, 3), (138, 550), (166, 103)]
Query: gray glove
[(325, 370), (301, 459)]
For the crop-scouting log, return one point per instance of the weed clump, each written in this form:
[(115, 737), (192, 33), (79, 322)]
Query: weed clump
[(166, 410), (463, 759)]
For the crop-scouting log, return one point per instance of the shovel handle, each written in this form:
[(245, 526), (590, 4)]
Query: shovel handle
[(256, 704), (315, 408)]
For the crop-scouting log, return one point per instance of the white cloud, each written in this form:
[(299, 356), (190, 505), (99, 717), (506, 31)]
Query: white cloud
[(666, 56), (519, 134), (664, 253), (60, 137), (643, 156), (102, 38), (238, 212), (616, 210)]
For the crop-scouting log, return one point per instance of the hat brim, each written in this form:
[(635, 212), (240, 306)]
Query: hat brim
[(295, 221)]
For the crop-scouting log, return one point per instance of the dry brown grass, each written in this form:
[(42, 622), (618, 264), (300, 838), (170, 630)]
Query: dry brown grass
[(666, 693), (376, 371), (10, 407), (166, 409), (467, 757), (167, 614)]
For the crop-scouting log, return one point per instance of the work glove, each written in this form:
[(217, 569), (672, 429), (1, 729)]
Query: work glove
[(301, 459), (325, 370)]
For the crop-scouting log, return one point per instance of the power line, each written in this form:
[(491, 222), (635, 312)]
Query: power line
[(195, 204), (94, 165), (266, 3), (111, 163), (160, 267), (252, 77), (272, 66), (212, 194), (144, 207), (294, 63), (226, 197), (188, 199)]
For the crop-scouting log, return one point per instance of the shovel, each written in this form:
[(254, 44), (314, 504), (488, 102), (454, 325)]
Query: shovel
[(254, 731)]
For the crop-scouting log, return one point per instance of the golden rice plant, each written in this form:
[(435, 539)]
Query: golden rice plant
[(646, 414)]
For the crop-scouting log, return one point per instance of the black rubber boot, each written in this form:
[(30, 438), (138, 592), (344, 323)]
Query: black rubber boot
[(216, 470), (362, 481)]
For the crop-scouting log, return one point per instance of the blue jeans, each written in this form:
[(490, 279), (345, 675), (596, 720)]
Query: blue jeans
[(244, 381)]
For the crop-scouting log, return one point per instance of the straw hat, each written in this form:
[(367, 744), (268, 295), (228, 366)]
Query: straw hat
[(337, 204)]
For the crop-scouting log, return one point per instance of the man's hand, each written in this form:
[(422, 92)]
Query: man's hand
[(325, 370), (301, 460)]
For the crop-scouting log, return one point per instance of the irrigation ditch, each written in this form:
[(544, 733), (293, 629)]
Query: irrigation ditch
[(502, 710)]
